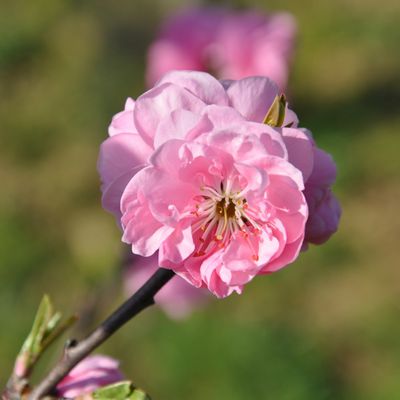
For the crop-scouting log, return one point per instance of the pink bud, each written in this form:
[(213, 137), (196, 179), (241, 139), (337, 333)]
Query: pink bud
[(90, 374)]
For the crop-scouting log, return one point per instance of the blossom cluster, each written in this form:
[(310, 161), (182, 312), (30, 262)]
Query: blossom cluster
[(217, 177), (230, 44)]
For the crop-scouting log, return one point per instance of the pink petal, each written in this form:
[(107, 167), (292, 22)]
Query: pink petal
[(178, 246), (111, 198), (215, 118), (165, 197), (90, 374), (283, 193), (92, 362), (300, 150), (120, 154), (280, 167), (195, 163), (253, 96), (144, 232), (290, 118), (158, 103), (289, 254), (294, 224), (324, 171), (213, 281), (123, 121), (247, 141), (176, 125), (201, 84), (268, 247), (257, 179), (325, 213)]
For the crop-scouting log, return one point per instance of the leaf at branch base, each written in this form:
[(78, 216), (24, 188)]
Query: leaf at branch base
[(47, 326), (124, 390)]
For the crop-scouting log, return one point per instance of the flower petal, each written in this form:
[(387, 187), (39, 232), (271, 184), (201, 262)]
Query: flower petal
[(123, 121), (201, 84), (176, 125), (158, 103), (111, 198), (283, 193), (120, 154), (143, 232), (253, 96), (324, 171), (300, 150), (178, 246)]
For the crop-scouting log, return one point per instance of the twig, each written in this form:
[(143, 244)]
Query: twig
[(73, 354)]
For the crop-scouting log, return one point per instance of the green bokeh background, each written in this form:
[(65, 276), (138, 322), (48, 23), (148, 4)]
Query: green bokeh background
[(326, 327)]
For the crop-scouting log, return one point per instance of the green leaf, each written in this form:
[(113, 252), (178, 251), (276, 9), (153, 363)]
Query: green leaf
[(124, 390), (139, 395), (39, 327), (47, 326), (53, 322), (117, 391), (57, 330), (276, 113)]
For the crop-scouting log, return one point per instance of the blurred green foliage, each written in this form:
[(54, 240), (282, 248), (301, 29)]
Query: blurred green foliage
[(326, 327)]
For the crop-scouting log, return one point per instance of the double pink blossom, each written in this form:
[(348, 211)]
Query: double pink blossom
[(192, 171), (231, 44), (90, 374)]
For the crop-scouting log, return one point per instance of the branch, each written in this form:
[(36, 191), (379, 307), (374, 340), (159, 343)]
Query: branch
[(74, 353)]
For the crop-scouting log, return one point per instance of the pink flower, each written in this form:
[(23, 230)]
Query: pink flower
[(231, 44), (90, 374), (177, 299), (214, 193)]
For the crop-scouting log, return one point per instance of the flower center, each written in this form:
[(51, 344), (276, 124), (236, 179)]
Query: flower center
[(222, 214), (222, 207)]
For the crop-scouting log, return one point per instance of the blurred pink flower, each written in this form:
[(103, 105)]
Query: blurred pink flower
[(196, 180), (230, 44), (177, 299), (90, 374)]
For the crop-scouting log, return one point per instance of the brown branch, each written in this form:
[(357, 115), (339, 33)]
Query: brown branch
[(74, 353)]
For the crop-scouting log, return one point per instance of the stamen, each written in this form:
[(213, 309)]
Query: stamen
[(253, 223), (219, 231), (229, 183), (208, 229), (212, 191), (222, 214)]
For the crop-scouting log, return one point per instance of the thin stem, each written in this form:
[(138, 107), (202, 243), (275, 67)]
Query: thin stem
[(73, 354)]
